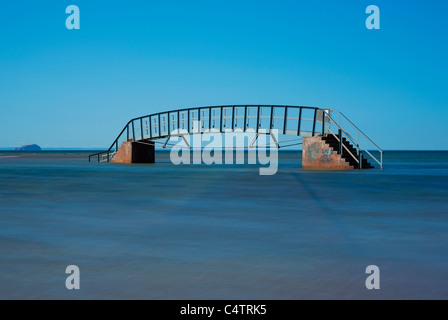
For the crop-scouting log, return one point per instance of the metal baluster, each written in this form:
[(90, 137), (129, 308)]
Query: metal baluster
[(284, 120), (300, 120), (359, 157), (209, 119), (245, 119), (220, 121), (323, 122), (141, 128), (340, 141), (133, 131)]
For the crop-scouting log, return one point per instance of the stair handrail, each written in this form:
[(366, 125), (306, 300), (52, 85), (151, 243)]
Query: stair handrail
[(357, 129), (113, 143), (357, 144)]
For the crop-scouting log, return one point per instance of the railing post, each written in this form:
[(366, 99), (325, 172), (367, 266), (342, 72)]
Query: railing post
[(141, 128), (359, 157), (169, 127), (340, 141), (209, 119), (160, 126), (323, 122), (300, 120), (108, 158), (188, 120), (258, 117), (314, 122), (284, 119), (133, 130), (245, 119), (381, 160), (98, 157), (220, 120)]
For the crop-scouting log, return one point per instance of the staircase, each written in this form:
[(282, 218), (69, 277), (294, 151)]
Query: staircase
[(349, 152)]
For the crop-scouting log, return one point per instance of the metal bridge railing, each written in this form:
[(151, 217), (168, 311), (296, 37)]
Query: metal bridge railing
[(289, 120)]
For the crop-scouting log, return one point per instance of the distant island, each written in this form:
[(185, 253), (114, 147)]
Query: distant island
[(28, 147)]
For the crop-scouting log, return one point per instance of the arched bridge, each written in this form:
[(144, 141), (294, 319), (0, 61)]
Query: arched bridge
[(336, 130)]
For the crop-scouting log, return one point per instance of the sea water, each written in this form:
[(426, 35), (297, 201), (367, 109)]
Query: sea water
[(160, 231)]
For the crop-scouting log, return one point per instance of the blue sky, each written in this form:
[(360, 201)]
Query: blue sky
[(78, 88)]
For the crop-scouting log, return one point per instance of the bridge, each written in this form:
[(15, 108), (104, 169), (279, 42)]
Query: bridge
[(329, 138)]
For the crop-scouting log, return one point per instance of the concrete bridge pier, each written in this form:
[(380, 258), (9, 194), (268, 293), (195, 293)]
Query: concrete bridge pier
[(331, 152), (316, 154), (135, 152)]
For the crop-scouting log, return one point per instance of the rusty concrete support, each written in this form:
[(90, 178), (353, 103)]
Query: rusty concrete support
[(317, 154), (135, 152)]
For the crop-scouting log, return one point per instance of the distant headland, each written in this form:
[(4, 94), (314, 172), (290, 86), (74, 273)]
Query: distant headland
[(28, 147)]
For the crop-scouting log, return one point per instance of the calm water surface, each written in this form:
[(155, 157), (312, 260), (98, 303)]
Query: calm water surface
[(160, 231)]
